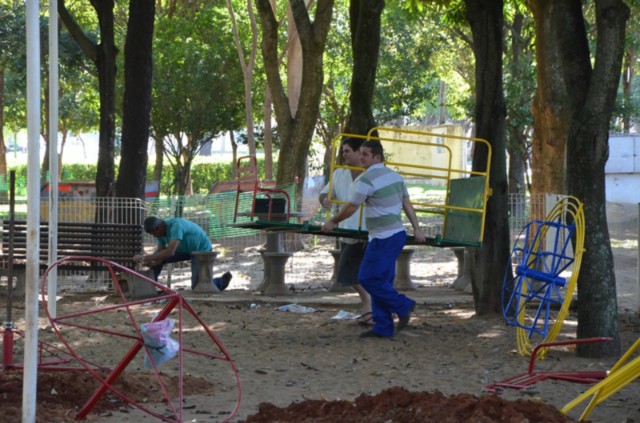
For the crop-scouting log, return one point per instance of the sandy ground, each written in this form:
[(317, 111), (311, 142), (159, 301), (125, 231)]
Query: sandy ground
[(284, 357)]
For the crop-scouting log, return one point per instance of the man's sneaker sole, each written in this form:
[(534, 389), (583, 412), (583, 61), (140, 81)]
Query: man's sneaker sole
[(403, 321)]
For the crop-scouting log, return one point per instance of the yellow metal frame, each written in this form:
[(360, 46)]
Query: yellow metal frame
[(620, 375), (423, 171), (566, 207)]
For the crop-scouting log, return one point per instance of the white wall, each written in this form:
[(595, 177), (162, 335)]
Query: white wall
[(622, 180)]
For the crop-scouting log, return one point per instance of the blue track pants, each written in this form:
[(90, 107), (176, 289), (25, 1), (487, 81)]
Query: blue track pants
[(377, 272)]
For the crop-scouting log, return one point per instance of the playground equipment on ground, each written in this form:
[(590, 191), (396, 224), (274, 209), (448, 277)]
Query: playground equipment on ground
[(541, 276), (456, 218), (625, 371), (121, 324), (533, 376)]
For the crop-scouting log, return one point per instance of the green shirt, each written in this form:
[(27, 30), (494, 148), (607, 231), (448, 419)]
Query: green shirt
[(191, 236)]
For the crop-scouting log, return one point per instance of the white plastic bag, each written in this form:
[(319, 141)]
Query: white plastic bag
[(158, 342), (296, 308)]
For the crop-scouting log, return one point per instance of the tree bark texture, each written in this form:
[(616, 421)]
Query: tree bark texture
[(364, 17), (296, 130), (488, 262), (138, 71), (158, 146), (3, 155), (103, 56), (593, 93), (551, 109), (106, 64)]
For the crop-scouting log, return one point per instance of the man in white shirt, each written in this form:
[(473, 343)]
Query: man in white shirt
[(351, 250)]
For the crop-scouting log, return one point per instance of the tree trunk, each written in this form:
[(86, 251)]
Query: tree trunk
[(106, 64), (138, 70), (364, 17), (103, 55), (234, 155), (296, 130), (551, 110), (157, 167), (183, 178), (3, 154), (486, 20), (628, 73), (593, 93), (268, 138), (294, 63)]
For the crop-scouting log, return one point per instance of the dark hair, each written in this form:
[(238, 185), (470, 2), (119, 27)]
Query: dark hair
[(376, 148), (353, 143), (151, 223)]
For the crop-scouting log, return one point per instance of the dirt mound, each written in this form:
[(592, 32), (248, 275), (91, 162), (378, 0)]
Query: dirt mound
[(401, 406), (60, 394)]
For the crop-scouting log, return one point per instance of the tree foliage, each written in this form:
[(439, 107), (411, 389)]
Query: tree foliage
[(198, 86)]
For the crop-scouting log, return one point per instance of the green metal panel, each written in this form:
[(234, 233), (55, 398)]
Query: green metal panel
[(462, 225)]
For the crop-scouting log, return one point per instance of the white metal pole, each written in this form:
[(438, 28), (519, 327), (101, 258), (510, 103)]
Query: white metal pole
[(52, 281), (30, 378)]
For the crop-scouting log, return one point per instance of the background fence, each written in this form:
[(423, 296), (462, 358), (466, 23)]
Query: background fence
[(310, 267)]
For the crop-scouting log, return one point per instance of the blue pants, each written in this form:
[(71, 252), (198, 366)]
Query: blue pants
[(195, 269), (377, 272)]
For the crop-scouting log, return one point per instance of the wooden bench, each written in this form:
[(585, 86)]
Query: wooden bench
[(114, 242)]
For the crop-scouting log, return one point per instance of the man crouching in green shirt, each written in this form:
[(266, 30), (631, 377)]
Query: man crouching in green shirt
[(177, 239)]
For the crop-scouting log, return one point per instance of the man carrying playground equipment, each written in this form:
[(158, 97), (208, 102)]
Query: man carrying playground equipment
[(177, 239), (351, 250), (384, 193)]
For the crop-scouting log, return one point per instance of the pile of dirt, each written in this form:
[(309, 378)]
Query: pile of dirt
[(401, 406), (60, 394)]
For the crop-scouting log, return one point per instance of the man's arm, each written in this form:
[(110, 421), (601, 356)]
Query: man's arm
[(163, 252), (324, 195), (343, 214), (411, 214), (324, 200)]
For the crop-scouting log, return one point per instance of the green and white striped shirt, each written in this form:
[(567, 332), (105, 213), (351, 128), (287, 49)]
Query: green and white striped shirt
[(383, 191)]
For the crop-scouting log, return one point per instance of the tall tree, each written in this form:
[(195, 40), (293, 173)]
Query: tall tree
[(591, 91), (365, 16), (296, 129), (486, 20), (103, 55), (136, 113), (551, 106)]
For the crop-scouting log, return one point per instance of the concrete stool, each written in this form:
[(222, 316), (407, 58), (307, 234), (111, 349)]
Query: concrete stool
[(205, 260), (275, 268), (19, 282), (463, 280), (335, 285), (267, 271), (403, 280), (135, 288)]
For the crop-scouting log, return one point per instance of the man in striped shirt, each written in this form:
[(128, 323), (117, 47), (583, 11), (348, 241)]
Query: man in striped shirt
[(384, 193)]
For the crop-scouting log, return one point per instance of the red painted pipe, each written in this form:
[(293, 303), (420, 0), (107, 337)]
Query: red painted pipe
[(7, 346)]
